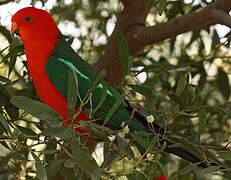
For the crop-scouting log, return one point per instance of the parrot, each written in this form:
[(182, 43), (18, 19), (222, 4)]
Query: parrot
[(50, 58)]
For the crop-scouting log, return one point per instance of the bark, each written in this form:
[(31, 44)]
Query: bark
[(131, 21)]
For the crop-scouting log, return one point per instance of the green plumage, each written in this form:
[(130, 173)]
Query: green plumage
[(63, 60)]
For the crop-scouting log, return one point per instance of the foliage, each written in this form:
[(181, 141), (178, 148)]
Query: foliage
[(186, 88)]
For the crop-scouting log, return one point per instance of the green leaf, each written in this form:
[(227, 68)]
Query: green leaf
[(4, 92), (187, 169), (13, 59), (226, 155), (162, 6), (50, 151), (5, 124), (163, 169), (84, 158), (223, 83), (124, 147), (136, 175), (4, 160), (140, 140), (181, 85), (110, 158), (65, 133), (4, 79), (211, 169), (113, 110), (40, 169), (176, 99), (102, 98), (172, 44), (72, 94), (203, 77), (202, 121), (53, 168), (123, 52), (96, 126), (68, 174), (141, 89), (38, 110), (16, 48), (70, 163), (191, 148), (4, 49), (99, 79), (216, 39), (153, 142), (26, 131), (70, 41), (195, 36)]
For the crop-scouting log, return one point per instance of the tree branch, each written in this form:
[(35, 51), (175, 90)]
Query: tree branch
[(211, 14), (131, 22), (221, 17), (132, 12), (6, 2)]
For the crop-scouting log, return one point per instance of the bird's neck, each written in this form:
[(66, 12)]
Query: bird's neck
[(38, 53)]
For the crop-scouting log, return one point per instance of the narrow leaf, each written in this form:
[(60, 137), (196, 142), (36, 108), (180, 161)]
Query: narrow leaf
[(71, 94), (5, 124), (38, 110), (153, 142), (68, 174), (223, 83), (113, 110), (177, 99), (84, 159), (216, 39), (65, 133), (53, 168), (40, 169), (211, 169), (162, 6), (26, 131), (187, 169), (140, 140), (123, 52), (13, 59), (226, 155), (4, 160), (124, 147), (181, 85), (4, 92), (103, 97), (110, 158), (202, 121), (4, 79), (191, 148), (141, 89)]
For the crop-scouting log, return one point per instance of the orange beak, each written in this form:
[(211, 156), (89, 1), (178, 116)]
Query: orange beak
[(14, 28)]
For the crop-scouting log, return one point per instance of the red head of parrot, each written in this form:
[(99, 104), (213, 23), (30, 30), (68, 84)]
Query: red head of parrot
[(36, 25)]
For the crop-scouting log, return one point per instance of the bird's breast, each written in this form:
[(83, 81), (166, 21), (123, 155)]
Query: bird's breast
[(46, 91)]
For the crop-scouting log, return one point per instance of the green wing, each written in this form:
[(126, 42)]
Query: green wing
[(63, 60)]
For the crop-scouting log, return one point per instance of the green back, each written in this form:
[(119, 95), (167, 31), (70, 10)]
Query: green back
[(63, 60)]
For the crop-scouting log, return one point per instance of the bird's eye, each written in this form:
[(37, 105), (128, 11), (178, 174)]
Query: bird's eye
[(28, 18)]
